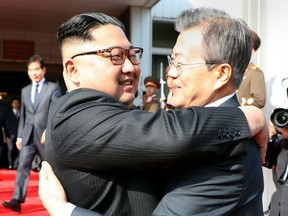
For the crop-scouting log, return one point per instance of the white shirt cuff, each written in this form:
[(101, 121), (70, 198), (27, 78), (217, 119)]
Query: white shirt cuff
[(68, 209)]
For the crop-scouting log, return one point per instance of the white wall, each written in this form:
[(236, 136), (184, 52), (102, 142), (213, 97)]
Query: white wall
[(141, 35), (274, 54)]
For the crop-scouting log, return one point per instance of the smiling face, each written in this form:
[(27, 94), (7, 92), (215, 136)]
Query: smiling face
[(97, 71), (190, 85)]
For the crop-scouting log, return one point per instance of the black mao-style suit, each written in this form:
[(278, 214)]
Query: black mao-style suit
[(101, 152), (31, 126), (232, 186)]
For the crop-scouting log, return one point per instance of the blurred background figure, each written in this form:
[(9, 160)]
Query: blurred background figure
[(252, 90), (13, 116), (3, 134), (35, 102), (150, 101), (277, 160)]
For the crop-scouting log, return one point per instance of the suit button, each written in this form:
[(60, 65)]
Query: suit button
[(220, 137), (232, 135), (226, 135), (237, 133)]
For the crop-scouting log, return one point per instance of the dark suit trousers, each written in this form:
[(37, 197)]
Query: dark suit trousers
[(12, 149), (27, 154)]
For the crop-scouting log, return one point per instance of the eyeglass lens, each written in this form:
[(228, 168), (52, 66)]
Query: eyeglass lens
[(118, 55)]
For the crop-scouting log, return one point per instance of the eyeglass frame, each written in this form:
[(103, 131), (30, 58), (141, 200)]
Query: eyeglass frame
[(171, 63), (108, 51)]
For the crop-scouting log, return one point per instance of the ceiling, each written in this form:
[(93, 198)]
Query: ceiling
[(47, 15)]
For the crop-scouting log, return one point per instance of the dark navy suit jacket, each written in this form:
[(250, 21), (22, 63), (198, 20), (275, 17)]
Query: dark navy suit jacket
[(216, 187), (104, 154)]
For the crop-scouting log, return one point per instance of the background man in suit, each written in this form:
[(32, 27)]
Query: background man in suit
[(93, 134), (13, 116), (35, 103)]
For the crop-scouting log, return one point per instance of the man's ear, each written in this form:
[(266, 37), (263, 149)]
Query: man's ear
[(224, 73), (70, 68)]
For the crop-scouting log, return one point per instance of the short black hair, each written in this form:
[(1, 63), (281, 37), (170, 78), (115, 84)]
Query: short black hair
[(36, 58)]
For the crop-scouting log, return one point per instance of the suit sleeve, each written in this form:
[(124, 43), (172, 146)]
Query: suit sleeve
[(22, 115), (84, 212), (103, 136), (57, 92)]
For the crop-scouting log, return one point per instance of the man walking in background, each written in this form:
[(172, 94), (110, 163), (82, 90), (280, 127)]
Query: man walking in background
[(35, 103)]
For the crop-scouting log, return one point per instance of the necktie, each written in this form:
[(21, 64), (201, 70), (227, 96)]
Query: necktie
[(17, 114), (36, 96)]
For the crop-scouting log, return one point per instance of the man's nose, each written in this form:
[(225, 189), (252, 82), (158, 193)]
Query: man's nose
[(172, 72), (128, 66)]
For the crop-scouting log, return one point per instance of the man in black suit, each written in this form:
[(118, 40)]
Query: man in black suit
[(90, 134), (13, 116), (207, 64), (35, 103)]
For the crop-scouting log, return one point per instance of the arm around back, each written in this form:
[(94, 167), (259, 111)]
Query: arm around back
[(91, 124)]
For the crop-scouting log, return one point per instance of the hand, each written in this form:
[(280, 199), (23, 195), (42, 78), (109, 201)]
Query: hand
[(50, 190), (43, 138), (19, 145), (284, 132), (258, 128), (272, 130)]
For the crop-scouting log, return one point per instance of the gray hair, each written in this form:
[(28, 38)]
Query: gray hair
[(225, 39)]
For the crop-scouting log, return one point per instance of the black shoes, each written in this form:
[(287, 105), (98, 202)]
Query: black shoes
[(14, 205), (11, 167), (35, 169)]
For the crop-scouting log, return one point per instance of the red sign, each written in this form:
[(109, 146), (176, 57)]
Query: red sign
[(17, 50)]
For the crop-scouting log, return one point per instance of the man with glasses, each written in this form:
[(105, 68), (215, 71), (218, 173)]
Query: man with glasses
[(207, 64), (108, 158)]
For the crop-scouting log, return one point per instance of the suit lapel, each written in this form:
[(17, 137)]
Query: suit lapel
[(27, 97)]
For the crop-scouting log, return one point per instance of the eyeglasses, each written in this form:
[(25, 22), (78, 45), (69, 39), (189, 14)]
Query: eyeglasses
[(117, 55), (179, 66)]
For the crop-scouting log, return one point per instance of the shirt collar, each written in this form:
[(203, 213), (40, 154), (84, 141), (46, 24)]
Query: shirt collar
[(220, 101), (40, 83)]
